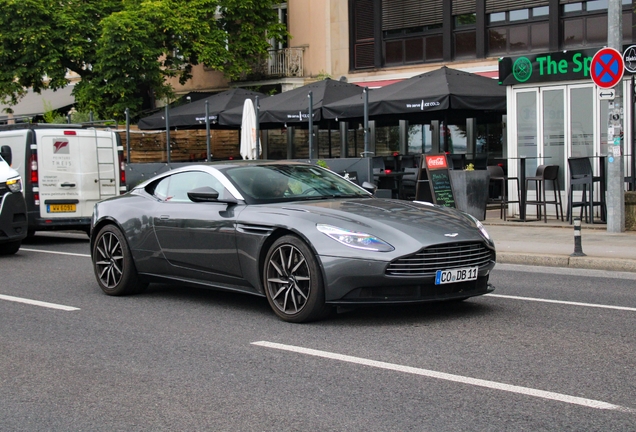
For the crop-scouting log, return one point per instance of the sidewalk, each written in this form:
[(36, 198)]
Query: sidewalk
[(552, 243)]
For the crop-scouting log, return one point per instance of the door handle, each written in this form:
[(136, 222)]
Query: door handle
[(67, 185), (164, 217)]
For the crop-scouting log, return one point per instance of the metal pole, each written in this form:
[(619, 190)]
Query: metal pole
[(365, 93), (633, 140), (311, 124), (207, 131), (616, 170), (127, 134), (167, 132), (258, 132)]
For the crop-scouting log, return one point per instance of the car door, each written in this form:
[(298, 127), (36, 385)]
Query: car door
[(197, 236)]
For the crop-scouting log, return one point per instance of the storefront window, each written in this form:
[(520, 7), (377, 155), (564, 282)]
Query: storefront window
[(554, 130), (419, 139), (582, 121), (527, 128)]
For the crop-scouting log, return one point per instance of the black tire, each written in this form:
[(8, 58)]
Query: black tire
[(113, 264), (293, 281), (10, 248)]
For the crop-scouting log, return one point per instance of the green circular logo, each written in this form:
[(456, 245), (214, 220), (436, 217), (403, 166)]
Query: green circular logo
[(522, 69)]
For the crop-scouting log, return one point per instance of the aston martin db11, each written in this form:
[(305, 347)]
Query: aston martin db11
[(300, 235)]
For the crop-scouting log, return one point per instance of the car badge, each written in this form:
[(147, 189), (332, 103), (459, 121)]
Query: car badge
[(451, 234)]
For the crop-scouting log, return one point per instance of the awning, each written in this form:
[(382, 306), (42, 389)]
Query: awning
[(32, 103)]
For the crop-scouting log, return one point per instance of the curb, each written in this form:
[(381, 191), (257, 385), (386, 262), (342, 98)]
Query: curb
[(585, 262)]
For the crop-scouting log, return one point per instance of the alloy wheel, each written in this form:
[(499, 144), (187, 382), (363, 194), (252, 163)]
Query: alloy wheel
[(109, 260), (288, 279)]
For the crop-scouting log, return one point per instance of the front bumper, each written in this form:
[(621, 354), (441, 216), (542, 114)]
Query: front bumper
[(13, 218), (351, 281)]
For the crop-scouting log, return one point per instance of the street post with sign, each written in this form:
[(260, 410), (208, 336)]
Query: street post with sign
[(607, 70)]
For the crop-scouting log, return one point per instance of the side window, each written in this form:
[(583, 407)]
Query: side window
[(180, 184), (161, 190)]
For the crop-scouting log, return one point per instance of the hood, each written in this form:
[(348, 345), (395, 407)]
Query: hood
[(392, 219)]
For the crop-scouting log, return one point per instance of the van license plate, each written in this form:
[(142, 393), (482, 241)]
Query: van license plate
[(456, 275), (61, 208)]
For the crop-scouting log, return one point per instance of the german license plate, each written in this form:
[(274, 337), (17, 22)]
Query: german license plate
[(61, 208), (456, 275)]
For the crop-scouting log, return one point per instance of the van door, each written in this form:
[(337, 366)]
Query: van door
[(76, 168)]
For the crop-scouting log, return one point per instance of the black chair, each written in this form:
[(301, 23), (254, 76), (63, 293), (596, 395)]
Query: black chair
[(581, 174), (481, 161), (544, 174), (458, 161), (498, 190), (409, 183)]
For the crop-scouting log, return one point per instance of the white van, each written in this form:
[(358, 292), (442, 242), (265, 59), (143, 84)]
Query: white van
[(13, 217), (66, 170)]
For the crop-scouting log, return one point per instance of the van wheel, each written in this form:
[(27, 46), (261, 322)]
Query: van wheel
[(10, 248), (113, 264)]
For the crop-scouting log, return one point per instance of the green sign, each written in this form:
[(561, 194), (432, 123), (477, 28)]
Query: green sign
[(549, 67)]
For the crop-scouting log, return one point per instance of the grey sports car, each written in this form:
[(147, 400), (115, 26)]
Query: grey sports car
[(299, 235)]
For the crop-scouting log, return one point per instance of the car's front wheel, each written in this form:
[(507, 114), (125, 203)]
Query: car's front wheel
[(293, 282), (113, 264)]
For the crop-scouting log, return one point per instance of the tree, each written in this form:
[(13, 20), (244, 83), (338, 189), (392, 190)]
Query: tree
[(124, 50)]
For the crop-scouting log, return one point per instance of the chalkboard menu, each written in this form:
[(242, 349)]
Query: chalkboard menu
[(439, 180)]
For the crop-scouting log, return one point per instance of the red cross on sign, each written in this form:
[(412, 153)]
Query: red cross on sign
[(607, 67)]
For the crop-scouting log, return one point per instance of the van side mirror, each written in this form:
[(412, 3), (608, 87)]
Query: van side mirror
[(5, 152)]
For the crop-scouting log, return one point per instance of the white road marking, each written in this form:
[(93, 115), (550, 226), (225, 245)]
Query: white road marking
[(631, 309), (55, 252), (590, 403), (38, 303)]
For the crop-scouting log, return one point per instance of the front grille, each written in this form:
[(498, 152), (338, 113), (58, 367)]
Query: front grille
[(427, 261), (3, 189)]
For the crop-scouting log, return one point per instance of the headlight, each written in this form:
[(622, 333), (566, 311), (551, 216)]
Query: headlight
[(15, 184), (354, 239), (480, 227)]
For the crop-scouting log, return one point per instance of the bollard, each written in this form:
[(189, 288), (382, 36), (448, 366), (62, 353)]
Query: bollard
[(578, 249)]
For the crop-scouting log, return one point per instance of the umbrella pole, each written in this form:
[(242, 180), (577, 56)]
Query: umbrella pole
[(311, 124), (167, 133), (207, 131), (366, 121), (127, 135), (258, 132)]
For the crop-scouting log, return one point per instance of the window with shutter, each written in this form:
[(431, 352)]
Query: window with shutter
[(364, 44)]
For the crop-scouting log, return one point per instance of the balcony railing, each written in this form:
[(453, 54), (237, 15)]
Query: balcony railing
[(285, 62)]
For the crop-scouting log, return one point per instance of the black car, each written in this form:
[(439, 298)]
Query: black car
[(298, 234)]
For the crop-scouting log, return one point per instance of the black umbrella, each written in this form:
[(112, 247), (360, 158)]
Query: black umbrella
[(293, 106), (193, 114), (440, 90)]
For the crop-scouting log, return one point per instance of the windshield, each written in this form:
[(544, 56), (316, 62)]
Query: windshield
[(269, 183)]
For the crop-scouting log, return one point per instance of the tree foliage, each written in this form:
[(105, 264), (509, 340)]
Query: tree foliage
[(124, 50)]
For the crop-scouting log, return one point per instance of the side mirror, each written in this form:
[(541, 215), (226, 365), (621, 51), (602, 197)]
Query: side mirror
[(369, 187), (207, 194), (5, 152), (203, 194)]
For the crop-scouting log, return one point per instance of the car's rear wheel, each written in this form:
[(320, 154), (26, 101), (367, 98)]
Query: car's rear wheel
[(113, 264), (293, 282), (10, 248)]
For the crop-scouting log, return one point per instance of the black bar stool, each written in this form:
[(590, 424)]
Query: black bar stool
[(544, 174), (581, 174), (499, 189)]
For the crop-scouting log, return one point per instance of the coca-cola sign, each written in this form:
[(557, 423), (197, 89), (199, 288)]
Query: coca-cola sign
[(436, 162)]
